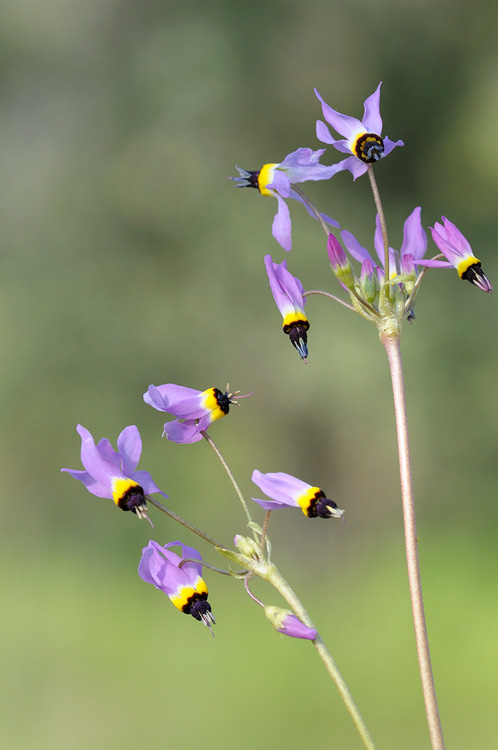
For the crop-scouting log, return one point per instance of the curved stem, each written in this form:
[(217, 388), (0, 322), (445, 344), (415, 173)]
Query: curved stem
[(290, 597), (393, 350), (229, 473), (183, 522), (330, 296), (382, 219)]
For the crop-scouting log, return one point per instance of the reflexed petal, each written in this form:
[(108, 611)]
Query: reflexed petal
[(358, 252), (343, 124), (145, 480), (96, 488), (390, 145), (282, 227), (183, 432), (372, 120), (130, 448), (323, 133), (167, 397), (278, 485), (97, 466), (414, 236)]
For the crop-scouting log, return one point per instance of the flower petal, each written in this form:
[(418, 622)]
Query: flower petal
[(130, 448)]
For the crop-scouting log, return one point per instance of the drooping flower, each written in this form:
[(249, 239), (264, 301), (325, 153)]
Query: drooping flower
[(110, 473), (288, 492), (277, 179), (456, 248), (184, 585), (195, 410), (288, 292), (362, 138), (287, 623)]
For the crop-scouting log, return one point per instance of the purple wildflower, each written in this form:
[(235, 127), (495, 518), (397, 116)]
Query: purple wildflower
[(288, 292), (362, 139), (110, 473), (184, 585), (288, 492), (288, 624), (277, 179)]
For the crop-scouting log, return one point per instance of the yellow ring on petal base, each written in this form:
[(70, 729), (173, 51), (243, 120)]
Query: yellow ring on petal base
[(120, 487), (465, 264), (295, 319), (307, 500), (265, 177), (216, 402), (187, 595)]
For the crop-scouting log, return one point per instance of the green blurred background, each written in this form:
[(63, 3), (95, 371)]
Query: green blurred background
[(128, 259)]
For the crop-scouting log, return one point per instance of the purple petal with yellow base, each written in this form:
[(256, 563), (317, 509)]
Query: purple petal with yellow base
[(183, 585), (196, 409), (362, 138), (287, 491), (276, 180), (288, 294), (456, 248), (111, 474)]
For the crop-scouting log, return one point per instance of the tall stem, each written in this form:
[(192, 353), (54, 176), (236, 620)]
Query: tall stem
[(290, 597), (393, 350)]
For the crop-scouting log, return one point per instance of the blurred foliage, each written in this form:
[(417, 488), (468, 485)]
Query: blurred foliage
[(128, 259)]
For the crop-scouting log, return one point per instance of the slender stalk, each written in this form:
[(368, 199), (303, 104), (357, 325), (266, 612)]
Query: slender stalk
[(290, 597), (312, 208), (393, 350), (229, 473), (382, 219), (330, 296), (183, 522)]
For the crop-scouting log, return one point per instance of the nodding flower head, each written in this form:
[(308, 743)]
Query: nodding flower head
[(181, 581), (456, 248), (110, 473), (288, 293), (195, 410), (288, 492), (362, 138), (276, 180)]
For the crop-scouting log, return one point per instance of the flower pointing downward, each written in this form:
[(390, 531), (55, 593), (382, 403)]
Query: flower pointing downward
[(288, 293), (456, 248), (181, 582), (110, 473)]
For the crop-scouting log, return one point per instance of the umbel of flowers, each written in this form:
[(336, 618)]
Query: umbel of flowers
[(381, 284)]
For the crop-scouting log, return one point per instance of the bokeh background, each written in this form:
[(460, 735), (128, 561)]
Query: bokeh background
[(128, 259)]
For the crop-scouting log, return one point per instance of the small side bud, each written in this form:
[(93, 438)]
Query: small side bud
[(340, 263), (247, 546), (288, 624)]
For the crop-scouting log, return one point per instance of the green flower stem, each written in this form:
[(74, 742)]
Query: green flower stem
[(330, 296), (290, 597), (393, 350), (362, 302), (269, 572), (382, 219), (229, 473), (183, 522)]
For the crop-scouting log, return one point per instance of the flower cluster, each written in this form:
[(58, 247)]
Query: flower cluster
[(382, 289)]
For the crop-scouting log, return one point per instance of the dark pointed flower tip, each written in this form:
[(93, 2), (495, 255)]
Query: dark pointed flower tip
[(476, 276), (246, 178), (299, 338)]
